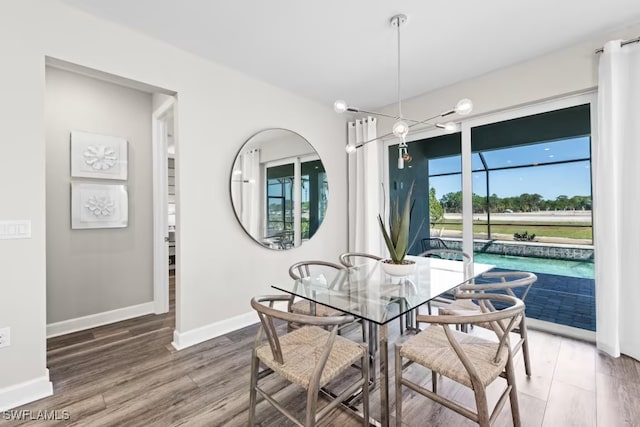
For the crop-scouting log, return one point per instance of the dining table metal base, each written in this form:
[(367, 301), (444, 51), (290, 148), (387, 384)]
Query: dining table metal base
[(384, 374)]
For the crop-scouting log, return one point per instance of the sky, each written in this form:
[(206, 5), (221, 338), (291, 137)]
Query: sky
[(550, 181)]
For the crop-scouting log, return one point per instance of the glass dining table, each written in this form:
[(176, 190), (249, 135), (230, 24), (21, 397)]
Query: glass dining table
[(366, 292)]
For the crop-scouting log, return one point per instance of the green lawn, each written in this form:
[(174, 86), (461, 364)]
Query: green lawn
[(570, 230)]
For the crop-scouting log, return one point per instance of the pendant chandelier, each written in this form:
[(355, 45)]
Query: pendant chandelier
[(402, 124)]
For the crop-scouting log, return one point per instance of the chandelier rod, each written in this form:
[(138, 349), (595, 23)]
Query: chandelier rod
[(375, 113), (386, 135), (399, 19), (391, 116)]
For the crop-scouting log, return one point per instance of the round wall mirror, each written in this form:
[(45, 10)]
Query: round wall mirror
[(279, 189)]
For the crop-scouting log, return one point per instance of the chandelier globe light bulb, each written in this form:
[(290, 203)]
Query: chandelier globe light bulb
[(464, 106), (340, 106), (400, 129), (451, 127)]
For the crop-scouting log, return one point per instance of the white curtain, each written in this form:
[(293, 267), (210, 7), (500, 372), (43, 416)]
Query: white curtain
[(365, 188), (251, 184), (616, 178)]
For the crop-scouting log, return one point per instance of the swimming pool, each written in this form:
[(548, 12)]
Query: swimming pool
[(560, 267)]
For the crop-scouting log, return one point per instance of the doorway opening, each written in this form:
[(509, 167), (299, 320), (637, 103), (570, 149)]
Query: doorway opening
[(102, 283)]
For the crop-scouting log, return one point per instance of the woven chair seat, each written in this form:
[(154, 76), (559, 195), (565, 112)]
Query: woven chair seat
[(466, 308), (431, 349), (301, 350), (457, 306), (304, 307)]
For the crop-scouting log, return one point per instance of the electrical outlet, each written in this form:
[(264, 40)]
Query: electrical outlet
[(5, 337)]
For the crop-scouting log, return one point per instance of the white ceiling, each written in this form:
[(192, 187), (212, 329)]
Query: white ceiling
[(345, 49)]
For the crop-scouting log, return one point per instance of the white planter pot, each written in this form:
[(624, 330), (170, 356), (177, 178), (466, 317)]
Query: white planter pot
[(398, 270)]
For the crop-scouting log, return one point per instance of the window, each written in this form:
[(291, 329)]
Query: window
[(279, 216), (530, 175), (531, 167), (542, 189), (281, 204)]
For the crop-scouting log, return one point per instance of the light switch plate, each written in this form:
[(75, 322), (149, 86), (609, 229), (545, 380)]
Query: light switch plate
[(20, 229)]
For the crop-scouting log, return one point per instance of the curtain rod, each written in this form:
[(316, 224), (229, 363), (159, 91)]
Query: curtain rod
[(623, 43)]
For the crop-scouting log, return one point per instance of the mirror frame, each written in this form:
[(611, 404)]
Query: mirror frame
[(233, 207)]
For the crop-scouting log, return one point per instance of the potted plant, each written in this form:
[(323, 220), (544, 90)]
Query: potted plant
[(397, 237)]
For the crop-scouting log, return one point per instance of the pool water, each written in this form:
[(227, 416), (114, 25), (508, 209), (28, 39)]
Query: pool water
[(581, 269)]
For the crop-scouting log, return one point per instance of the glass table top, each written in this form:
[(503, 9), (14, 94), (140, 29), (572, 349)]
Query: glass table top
[(367, 292)]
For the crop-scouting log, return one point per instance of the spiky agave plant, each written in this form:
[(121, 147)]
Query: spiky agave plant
[(397, 238)]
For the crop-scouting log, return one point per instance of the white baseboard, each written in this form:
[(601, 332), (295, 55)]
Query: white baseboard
[(563, 330), (99, 319), (23, 393), (182, 340)]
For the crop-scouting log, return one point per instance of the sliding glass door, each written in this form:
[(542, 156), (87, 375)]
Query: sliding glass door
[(513, 189)]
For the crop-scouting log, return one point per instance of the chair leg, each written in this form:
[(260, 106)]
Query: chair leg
[(482, 405), (434, 382), (525, 346), (312, 406), (365, 388), (398, 376), (513, 395), (409, 319), (255, 365)]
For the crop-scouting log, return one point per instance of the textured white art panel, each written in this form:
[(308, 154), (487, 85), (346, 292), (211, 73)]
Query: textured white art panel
[(98, 156), (99, 205)]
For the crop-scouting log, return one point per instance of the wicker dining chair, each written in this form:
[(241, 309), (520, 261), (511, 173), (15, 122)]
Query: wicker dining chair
[(310, 357), (303, 269), (452, 255), (429, 243), (464, 358), (349, 259), (317, 269), (502, 282)]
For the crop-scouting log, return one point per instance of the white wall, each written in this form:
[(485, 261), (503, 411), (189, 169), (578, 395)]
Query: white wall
[(96, 270), (219, 268), (283, 148)]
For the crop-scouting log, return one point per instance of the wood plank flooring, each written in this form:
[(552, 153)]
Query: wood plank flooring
[(128, 374)]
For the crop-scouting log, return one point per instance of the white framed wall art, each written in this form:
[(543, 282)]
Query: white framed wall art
[(98, 156), (99, 205)]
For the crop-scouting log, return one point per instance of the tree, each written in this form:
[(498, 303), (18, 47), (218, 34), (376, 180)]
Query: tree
[(580, 202), (496, 204), (479, 203), (562, 202), (529, 202), (436, 212), (452, 202)]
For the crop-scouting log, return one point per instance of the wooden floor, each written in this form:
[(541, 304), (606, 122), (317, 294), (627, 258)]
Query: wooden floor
[(128, 374)]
